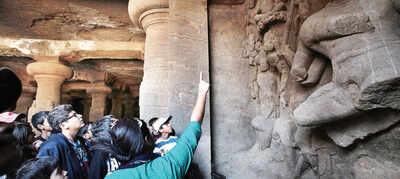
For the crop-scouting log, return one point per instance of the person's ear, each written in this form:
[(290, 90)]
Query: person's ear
[(63, 125), (156, 132), (162, 129), (40, 126)]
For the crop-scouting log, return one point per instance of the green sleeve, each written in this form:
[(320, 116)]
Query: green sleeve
[(174, 164)]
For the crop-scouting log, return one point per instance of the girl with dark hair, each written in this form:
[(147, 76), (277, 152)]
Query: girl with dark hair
[(146, 152), (126, 145), (102, 162), (44, 167), (23, 136), (127, 137)]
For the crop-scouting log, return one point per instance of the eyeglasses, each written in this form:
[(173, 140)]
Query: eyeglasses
[(74, 114)]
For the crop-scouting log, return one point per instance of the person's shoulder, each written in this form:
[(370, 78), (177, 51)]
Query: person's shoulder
[(56, 139), (49, 143), (173, 137)]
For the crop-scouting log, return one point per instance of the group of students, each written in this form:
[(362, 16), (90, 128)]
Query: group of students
[(106, 148)]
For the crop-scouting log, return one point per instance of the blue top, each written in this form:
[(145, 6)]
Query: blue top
[(60, 147)]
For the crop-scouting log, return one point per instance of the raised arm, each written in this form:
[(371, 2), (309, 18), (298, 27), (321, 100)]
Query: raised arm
[(198, 109)]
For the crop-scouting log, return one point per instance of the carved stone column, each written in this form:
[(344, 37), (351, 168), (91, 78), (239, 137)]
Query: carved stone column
[(86, 102), (49, 75), (188, 55), (66, 99), (25, 100), (152, 16), (116, 108), (99, 92)]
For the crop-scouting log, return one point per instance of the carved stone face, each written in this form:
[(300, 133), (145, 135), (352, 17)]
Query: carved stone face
[(362, 41)]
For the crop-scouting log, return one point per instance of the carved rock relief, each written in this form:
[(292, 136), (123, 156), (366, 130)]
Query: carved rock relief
[(361, 42), (268, 52), (359, 38)]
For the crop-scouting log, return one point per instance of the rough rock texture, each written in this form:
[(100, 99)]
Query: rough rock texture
[(188, 56), (68, 20), (232, 132)]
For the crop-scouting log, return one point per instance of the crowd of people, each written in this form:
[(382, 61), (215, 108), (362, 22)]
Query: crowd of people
[(67, 147)]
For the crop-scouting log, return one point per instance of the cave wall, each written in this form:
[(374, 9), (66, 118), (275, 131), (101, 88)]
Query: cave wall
[(231, 103), (272, 119)]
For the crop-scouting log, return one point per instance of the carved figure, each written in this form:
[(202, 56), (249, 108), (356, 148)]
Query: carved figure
[(361, 39)]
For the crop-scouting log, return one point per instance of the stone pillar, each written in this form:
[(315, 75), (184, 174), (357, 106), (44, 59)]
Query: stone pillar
[(49, 75), (66, 99), (188, 55), (117, 100), (86, 102), (25, 100), (152, 16), (99, 92)]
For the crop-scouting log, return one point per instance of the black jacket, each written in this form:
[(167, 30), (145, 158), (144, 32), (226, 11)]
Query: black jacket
[(59, 147), (101, 164)]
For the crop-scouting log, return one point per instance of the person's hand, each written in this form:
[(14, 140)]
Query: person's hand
[(203, 85)]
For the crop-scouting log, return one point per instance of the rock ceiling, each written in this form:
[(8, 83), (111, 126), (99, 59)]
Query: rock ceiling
[(94, 37)]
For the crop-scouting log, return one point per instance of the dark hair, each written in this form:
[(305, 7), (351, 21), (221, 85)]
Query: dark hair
[(39, 118), (127, 141), (23, 149), (83, 130), (128, 138), (152, 120), (155, 133), (101, 129), (37, 168), (21, 133), (59, 115), (147, 137)]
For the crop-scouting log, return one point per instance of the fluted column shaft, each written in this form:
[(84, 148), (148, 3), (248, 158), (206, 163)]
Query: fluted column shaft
[(153, 89)]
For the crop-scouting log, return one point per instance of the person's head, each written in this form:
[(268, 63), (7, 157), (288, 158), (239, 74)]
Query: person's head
[(147, 137), (101, 129), (128, 138), (151, 122), (10, 89), (64, 118), (85, 132), (40, 122), (163, 125), (7, 120), (23, 133), (43, 167)]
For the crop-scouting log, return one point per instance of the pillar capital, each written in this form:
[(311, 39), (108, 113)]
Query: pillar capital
[(153, 16), (136, 9), (49, 69), (49, 75), (99, 88)]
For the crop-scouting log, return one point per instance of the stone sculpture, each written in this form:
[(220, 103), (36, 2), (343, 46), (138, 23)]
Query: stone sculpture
[(361, 40)]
